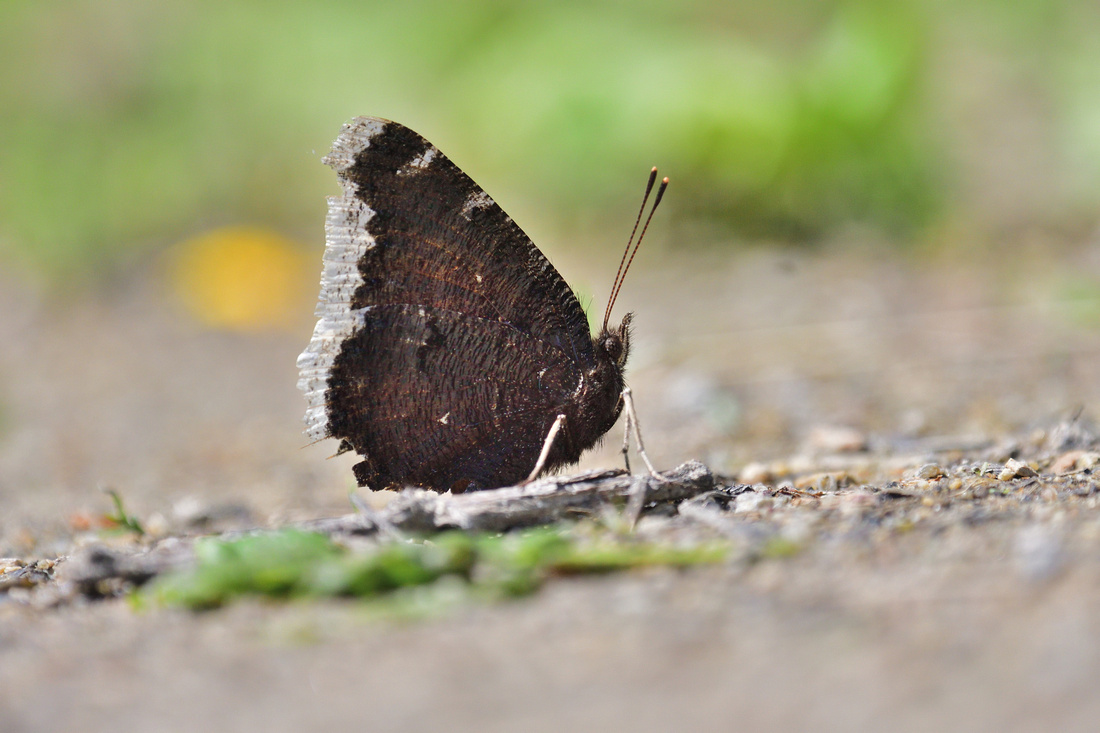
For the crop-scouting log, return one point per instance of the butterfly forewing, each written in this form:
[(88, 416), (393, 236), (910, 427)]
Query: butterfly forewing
[(442, 241), (446, 398)]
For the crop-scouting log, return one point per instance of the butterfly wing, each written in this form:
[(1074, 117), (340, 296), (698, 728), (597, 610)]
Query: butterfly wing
[(435, 398), (434, 304)]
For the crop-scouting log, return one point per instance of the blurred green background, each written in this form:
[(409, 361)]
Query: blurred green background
[(127, 126)]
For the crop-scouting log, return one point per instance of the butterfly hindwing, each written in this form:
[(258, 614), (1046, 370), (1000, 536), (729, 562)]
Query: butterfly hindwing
[(449, 399)]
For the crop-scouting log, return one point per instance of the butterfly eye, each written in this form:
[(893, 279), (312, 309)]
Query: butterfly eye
[(613, 345)]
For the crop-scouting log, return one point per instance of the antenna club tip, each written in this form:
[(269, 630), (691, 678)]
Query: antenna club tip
[(654, 169), (665, 180)]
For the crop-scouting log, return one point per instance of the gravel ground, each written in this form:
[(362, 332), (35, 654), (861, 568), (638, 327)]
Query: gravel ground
[(921, 545)]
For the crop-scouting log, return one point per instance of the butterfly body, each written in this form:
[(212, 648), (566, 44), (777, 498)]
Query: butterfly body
[(447, 344)]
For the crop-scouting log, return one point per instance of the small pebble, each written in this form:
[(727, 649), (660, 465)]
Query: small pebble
[(930, 471), (156, 525), (751, 501), (822, 481), (1016, 469), (755, 473), (191, 511), (1074, 460)]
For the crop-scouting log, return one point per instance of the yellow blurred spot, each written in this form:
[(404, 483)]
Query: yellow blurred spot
[(246, 279)]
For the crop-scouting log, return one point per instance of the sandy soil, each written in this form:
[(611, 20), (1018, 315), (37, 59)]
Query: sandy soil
[(907, 608)]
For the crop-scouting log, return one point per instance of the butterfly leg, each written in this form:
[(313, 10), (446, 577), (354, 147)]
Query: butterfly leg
[(546, 446), (632, 424), (626, 444)]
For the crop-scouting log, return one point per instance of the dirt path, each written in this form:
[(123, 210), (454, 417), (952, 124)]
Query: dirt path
[(911, 597)]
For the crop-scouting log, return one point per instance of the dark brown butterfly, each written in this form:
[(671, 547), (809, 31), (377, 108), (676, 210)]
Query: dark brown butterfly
[(449, 353)]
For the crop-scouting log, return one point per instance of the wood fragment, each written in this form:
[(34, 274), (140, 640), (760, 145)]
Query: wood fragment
[(540, 502)]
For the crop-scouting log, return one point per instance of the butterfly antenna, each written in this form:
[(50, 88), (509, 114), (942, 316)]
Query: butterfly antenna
[(641, 210), (620, 278)]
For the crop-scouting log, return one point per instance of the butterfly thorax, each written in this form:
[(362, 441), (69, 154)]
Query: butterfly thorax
[(598, 402)]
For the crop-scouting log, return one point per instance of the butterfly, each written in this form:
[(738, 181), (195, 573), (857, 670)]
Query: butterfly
[(449, 353)]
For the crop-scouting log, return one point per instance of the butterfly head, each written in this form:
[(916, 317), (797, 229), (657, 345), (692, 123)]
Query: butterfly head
[(613, 343)]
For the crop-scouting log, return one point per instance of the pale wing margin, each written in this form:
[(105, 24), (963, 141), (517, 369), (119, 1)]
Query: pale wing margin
[(346, 241)]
